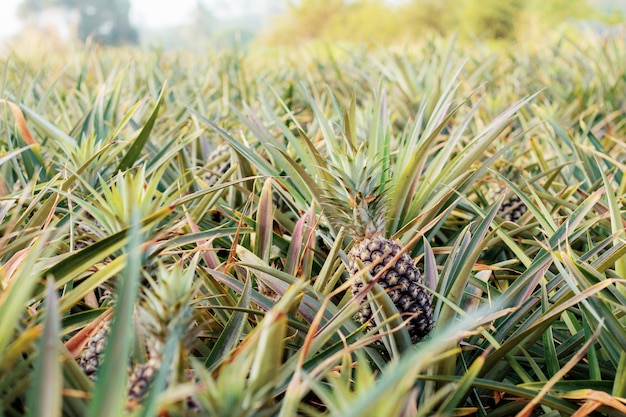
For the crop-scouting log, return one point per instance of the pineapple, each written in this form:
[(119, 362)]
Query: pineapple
[(91, 356), (165, 308), (401, 280), (512, 208), (219, 162), (360, 199), (142, 376)]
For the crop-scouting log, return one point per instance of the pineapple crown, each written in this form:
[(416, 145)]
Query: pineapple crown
[(167, 304), (356, 196)]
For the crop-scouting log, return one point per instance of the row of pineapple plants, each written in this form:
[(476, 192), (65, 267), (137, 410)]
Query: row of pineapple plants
[(327, 232)]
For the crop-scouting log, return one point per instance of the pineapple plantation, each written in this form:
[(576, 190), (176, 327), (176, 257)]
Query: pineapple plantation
[(333, 232)]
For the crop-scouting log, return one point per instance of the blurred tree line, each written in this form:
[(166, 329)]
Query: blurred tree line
[(107, 22), (104, 21), (384, 21)]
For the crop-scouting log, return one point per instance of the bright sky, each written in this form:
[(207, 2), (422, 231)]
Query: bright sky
[(9, 23), (149, 13), (159, 13)]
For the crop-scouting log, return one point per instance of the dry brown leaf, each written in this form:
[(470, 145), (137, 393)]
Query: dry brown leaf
[(8, 269), (76, 344), (586, 409), (4, 191), (594, 399), (20, 121)]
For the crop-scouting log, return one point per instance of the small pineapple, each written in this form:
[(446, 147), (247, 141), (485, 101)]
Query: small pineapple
[(218, 162), (512, 208), (93, 353), (361, 201), (165, 308), (141, 377)]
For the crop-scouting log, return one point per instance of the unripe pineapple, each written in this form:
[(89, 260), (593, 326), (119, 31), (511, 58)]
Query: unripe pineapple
[(141, 377), (512, 208), (93, 353), (359, 204), (402, 281), (218, 162), (165, 309)]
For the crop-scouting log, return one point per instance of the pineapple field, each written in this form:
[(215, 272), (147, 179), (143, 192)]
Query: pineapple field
[(437, 229)]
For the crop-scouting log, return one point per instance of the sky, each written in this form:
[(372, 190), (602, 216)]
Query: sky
[(149, 13), (9, 23)]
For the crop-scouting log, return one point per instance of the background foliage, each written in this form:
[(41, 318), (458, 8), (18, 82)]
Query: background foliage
[(375, 21), (177, 201)]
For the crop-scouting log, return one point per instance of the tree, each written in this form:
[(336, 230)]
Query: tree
[(428, 16), (306, 20), (493, 19), (104, 21)]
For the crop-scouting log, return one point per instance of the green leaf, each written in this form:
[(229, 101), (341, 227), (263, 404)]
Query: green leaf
[(45, 398), (232, 332), (264, 222), (15, 297), (134, 151), (109, 396)]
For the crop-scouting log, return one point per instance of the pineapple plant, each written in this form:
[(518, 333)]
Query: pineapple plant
[(91, 357), (539, 316), (110, 214), (165, 313), (512, 208), (360, 199)]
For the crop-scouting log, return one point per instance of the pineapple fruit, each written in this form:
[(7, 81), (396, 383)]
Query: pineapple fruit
[(141, 377), (401, 279), (512, 208), (358, 203), (218, 162), (91, 356), (165, 308)]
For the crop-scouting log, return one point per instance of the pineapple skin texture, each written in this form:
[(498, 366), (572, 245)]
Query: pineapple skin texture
[(402, 282), (222, 165), (92, 355), (512, 209), (141, 378)]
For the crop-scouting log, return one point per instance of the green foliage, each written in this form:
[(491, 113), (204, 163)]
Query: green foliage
[(493, 19), (233, 271), (377, 22)]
